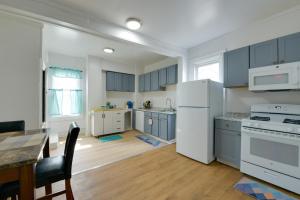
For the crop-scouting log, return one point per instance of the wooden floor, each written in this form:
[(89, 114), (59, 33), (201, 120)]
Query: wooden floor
[(91, 153), (161, 174)]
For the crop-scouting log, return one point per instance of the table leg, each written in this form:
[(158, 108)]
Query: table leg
[(27, 182), (46, 150)]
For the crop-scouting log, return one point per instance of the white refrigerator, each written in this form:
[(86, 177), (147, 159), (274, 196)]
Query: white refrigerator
[(198, 102)]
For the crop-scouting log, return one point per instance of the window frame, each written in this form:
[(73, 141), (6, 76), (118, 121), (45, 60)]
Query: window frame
[(71, 116), (207, 60)]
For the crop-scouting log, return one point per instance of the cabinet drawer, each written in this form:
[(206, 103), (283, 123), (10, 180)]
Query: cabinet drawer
[(147, 114), (155, 115), (228, 125), (163, 116)]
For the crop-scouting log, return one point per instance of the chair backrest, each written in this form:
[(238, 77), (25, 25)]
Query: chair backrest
[(70, 146), (12, 126)]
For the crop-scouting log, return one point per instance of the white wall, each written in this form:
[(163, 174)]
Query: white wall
[(240, 100), (158, 98), (20, 70), (61, 125), (96, 84)]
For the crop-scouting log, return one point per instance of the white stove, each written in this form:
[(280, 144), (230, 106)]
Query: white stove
[(271, 145)]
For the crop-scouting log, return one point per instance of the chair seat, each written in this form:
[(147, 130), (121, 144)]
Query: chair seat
[(50, 170)]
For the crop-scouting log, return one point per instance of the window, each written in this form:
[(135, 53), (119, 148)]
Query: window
[(208, 71), (209, 67), (65, 96)]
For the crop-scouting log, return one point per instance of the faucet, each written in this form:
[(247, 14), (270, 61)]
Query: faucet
[(170, 102)]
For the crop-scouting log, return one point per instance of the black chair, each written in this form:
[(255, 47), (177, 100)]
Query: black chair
[(53, 169), (12, 126)]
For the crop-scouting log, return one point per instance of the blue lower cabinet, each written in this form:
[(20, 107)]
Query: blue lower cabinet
[(160, 125), (167, 124), (134, 119), (147, 122), (155, 126), (163, 129)]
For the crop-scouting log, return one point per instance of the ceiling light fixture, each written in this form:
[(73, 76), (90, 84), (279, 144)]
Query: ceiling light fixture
[(133, 23), (109, 50)]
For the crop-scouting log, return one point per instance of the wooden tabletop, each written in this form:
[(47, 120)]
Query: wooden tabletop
[(21, 148)]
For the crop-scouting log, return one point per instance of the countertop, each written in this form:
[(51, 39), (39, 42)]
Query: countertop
[(232, 116), (24, 147), (109, 109), (157, 110)]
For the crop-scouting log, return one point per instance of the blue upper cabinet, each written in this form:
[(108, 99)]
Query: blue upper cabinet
[(125, 82), (236, 66), (110, 81), (264, 54), (131, 83), (155, 125), (142, 83), (289, 48), (159, 79), (147, 82), (120, 82), (172, 74), (155, 81), (162, 77)]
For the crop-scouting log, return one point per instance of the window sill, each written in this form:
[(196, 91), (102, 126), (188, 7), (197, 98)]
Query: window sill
[(65, 118)]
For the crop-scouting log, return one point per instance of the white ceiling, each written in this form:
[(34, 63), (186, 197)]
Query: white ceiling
[(70, 42), (184, 23)]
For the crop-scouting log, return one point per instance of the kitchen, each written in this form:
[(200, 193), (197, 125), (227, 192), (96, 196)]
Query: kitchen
[(218, 116)]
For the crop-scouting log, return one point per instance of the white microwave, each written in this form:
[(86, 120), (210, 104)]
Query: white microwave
[(275, 77)]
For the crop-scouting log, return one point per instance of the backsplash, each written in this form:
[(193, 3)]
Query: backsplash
[(119, 98), (241, 99), (158, 99)]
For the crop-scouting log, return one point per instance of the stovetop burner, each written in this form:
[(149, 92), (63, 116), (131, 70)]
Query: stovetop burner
[(291, 121), (258, 118)]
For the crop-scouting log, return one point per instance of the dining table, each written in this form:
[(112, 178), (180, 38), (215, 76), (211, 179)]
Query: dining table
[(19, 153)]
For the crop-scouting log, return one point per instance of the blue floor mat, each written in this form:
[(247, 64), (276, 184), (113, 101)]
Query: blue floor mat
[(110, 138), (260, 191), (148, 139)]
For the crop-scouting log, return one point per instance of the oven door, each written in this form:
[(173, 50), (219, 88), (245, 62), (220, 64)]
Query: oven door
[(272, 150), (277, 77)]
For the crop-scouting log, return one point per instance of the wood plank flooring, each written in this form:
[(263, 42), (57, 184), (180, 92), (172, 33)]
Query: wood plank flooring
[(160, 174), (91, 153)]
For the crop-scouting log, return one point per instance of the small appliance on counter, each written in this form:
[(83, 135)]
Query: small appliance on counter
[(147, 104), (110, 106), (129, 104)]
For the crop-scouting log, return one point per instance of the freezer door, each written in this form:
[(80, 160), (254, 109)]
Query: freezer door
[(193, 94), (192, 133)]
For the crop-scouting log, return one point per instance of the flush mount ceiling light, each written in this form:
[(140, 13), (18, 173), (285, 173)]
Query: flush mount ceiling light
[(109, 50), (133, 23)]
